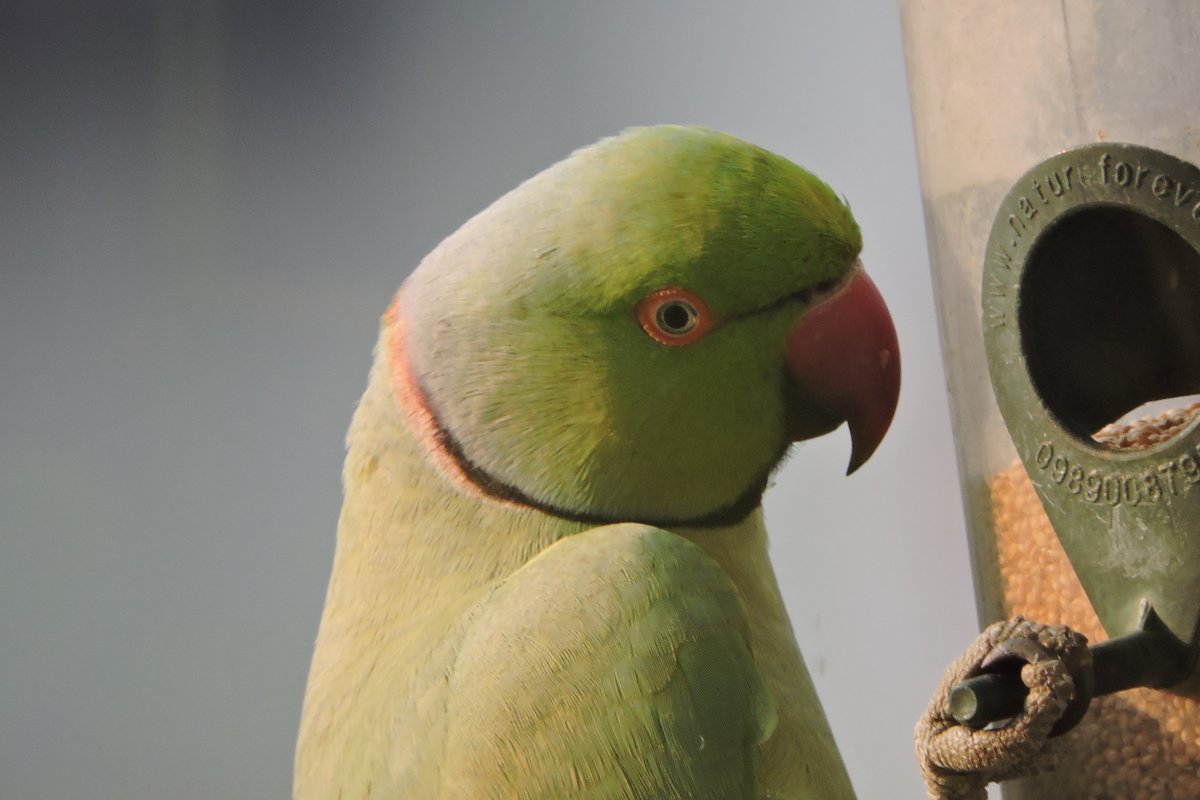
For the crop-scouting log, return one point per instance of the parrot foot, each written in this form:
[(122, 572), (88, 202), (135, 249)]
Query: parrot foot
[(958, 762)]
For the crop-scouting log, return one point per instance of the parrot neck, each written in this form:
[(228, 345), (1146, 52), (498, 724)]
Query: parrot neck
[(415, 536)]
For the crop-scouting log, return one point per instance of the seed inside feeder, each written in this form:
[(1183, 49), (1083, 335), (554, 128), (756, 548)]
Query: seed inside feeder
[(1143, 744)]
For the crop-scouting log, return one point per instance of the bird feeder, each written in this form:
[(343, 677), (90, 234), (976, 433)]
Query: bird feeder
[(1057, 149)]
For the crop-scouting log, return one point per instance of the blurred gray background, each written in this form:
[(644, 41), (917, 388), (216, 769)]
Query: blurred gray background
[(204, 208)]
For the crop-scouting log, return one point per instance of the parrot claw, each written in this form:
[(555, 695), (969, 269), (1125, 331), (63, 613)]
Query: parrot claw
[(957, 762)]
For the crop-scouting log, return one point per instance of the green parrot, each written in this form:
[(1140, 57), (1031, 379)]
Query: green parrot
[(551, 575)]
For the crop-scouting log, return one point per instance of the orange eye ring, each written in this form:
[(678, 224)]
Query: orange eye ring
[(674, 316)]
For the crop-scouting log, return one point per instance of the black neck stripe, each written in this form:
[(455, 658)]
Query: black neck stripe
[(495, 488)]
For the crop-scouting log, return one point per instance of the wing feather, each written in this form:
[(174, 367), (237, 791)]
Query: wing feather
[(614, 664)]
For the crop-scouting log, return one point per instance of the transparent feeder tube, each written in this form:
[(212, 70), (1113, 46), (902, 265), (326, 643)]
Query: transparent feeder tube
[(997, 88)]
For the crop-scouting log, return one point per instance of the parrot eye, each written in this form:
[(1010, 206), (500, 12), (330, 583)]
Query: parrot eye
[(674, 316)]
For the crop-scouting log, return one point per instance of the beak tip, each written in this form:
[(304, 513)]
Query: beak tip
[(862, 448)]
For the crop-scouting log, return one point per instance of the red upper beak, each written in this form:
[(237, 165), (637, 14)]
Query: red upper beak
[(844, 354)]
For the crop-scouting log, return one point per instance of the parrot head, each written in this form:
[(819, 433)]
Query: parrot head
[(641, 331)]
